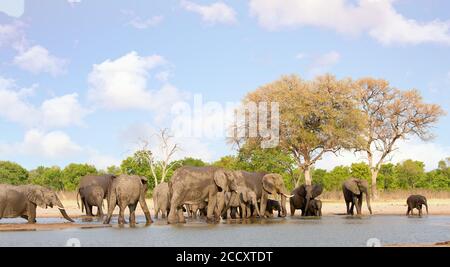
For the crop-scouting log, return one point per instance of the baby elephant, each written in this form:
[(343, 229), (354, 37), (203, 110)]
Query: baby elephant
[(127, 191), (91, 196), (315, 208), (271, 206), (416, 202)]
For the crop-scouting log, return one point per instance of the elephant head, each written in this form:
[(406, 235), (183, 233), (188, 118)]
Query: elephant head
[(226, 182), (309, 192), (248, 197), (44, 197), (358, 187), (273, 184)]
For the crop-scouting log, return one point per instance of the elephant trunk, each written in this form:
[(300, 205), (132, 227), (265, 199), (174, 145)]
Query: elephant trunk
[(368, 202), (63, 211)]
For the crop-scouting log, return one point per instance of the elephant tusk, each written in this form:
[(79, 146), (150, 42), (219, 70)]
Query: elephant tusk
[(288, 196)]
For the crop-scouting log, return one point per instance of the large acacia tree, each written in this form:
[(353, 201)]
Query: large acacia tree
[(391, 115), (316, 117)]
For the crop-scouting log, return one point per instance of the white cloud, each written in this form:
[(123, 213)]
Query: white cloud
[(139, 23), (378, 18), (323, 63), (301, 56), (215, 13), (13, 8), (36, 143), (54, 112), (37, 59), (12, 35), (63, 111), (122, 84), (428, 152)]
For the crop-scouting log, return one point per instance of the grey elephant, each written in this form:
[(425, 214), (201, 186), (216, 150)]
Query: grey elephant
[(353, 190), (263, 185), (91, 196), (233, 203), (302, 196), (161, 199), (103, 181), (198, 209), (249, 202), (273, 205), (193, 185), (315, 208), (127, 191), (21, 201), (416, 202)]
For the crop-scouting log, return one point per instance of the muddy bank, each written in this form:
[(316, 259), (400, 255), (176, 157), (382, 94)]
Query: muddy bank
[(47, 226)]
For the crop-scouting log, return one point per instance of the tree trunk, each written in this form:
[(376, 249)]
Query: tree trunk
[(374, 172), (307, 174)]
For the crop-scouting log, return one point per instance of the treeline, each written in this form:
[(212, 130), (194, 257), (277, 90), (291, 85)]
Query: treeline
[(409, 174)]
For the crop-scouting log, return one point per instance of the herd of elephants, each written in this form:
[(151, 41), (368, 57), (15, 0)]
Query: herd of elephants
[(210, 192)]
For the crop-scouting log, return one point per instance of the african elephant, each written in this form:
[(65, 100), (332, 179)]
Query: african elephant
[(233, 203), (22, 200), (104, 181), (271, 206), (302, 196), (249, 202), (315, 208), (263, 185), (127, 191), (353, 190), (193, 185), (416, 202), (198, 209), (91, 196), (161, 200)]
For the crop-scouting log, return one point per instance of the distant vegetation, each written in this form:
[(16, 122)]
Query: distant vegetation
[(406, 175)]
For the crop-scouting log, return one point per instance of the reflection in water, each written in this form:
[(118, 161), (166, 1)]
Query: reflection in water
[(289, 231)]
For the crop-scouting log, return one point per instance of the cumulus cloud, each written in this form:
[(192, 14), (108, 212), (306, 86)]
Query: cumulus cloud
[(12, 35), (215, 13), (140, 23), (38, 59), (428, 152), (377, 18), (54, 112), (123, 84), (48, 145)]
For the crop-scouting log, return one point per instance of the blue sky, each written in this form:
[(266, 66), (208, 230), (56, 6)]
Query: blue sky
[(82, 81)]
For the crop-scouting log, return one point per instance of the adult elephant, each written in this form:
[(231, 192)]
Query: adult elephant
[(21, 201), (353, 190), (302, 196), (161, 199), (416, 202), (127, 191), (264, 184), (193, 185), (103, 181)]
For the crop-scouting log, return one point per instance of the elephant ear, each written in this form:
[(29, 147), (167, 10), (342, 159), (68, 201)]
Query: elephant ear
[(317, 190), (363, 185), (267, 183), (36, 195), (221, 180), (353, 186)]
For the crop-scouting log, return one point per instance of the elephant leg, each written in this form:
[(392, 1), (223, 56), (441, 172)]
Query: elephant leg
[(132, 209), (212, 200), (175, 204), (99, 210), (232, 213), (360, 201), (347, 204), (111, 207), (407, 212), (292, 208), (156, 208), (420, 211), (262, 209), (24, 217), (144, 207), (121, 214), (31, 213), (181, 218)]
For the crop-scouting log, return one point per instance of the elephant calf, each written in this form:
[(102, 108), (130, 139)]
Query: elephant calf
[(127, 191), (315, 208), (271, 206), (416, 202), (161, 200), (91, 196), (22, 200)]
